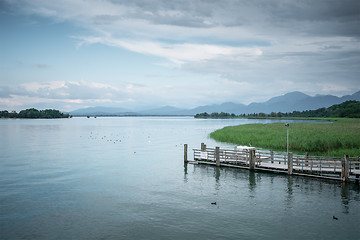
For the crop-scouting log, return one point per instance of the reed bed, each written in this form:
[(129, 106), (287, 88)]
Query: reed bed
[(336, 138)]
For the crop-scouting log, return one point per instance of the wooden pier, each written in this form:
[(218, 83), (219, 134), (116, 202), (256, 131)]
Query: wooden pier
[(344, 168)]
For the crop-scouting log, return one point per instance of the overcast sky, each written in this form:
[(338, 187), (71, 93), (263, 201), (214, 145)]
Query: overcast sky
[(69, 54)]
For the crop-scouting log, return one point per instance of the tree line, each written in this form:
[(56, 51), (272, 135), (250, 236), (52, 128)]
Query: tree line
[(348, 109), (34, 113)]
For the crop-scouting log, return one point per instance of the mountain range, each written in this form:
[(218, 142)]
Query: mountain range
[(293, 101)]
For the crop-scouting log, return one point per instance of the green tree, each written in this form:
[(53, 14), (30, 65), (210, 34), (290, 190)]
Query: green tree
[(29, 113)]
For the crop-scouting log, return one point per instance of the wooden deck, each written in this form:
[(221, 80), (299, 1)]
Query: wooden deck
[(345, 169)]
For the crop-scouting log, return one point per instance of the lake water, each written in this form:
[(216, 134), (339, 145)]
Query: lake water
[(124, 178)]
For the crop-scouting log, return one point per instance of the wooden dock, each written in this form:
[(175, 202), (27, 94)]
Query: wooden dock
[(345, 168)]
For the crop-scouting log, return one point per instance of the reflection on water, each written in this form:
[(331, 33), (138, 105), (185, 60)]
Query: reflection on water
[(125, 178), (345, 196), (217, 178), (349, 193), (185, 172), (288, 201), (295, 187), (252, 181)]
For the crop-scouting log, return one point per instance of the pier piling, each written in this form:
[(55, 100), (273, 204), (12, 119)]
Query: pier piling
[(185, 153), (217, 156), (345, 165), (290, 163), (252, 159), (203, 147)]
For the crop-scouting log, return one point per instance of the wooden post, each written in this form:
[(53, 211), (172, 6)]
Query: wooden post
[(203, 147), (252, 159), (185, 153), (290, 163), (306, 159), (272, 156), (320, 163), (217, 156), (345, 165), (357, 166)]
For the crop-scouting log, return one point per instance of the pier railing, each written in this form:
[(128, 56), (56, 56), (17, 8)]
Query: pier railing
[(340, 167)]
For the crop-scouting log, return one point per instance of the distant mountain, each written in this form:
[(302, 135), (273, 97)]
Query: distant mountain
[(351, 97), (291, 97), (101, 111), (167, 110), (289, 102), (293, 101), (227, 107)]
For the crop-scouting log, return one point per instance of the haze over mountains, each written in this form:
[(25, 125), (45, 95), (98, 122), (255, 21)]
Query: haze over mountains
[(293, 101)]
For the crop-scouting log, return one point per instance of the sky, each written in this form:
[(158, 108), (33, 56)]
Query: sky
[(71, 54)]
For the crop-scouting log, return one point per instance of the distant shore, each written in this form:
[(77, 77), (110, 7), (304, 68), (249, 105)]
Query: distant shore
[(33, 113)]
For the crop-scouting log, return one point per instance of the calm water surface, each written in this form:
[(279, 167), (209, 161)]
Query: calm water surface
[(124, 178)]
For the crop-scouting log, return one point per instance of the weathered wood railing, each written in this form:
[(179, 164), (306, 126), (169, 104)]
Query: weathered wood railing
[(304, 164)]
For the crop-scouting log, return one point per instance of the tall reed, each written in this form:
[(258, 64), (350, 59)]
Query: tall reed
[(342, 136)]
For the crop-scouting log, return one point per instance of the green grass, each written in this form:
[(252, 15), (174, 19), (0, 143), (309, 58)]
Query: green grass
[(341, 136)]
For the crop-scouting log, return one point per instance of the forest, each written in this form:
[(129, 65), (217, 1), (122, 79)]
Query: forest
[(34, 113)]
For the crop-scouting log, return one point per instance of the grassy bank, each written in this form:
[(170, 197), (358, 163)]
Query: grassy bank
[(340, 137)]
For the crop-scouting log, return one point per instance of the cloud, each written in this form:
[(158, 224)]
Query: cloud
[(42, 66), (119, 22), (70, 90), (177, 53), (261, 16), (192, 31), (81, 92), (234, 49)]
